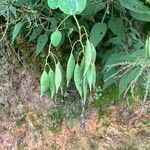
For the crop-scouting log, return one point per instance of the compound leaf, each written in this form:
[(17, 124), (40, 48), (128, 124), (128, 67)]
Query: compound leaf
[(109, 77), (128, 78)]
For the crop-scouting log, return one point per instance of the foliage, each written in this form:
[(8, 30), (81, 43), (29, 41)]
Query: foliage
[(78, 37), (130, 69)]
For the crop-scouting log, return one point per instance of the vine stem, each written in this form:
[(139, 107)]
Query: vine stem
[(86, 34), (63, 21), (106, 11), (74, 45), (49, 49), (79, 55), (79, 28), (50, 54)]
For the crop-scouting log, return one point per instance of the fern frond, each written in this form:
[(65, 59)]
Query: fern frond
[(135, 79), (128, 78)]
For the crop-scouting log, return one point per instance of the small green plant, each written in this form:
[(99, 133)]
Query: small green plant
[(81, 68), (130, 70)]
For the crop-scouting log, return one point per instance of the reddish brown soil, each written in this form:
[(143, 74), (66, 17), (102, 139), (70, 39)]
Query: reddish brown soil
[(23, 125)]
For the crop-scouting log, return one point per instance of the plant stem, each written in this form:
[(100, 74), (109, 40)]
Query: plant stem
[(79, 28), (63, 21)]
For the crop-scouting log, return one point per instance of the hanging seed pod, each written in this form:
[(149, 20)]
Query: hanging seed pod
[(52, 82), (147, 46), (88, 56), (58, 76), (44, 82), (85, 89), (78, 79), (70, 68)]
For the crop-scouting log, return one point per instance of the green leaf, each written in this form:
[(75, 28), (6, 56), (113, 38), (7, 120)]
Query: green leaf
[(147, 47), (56, 38), (72, 7), (135, 6), (16, 30), (93, 53), (111, 80), (78, 79), (70, 68), (85, 89), (139, 16), (53, 4), (119, 7), (58, 76), (42, 40), (91, 76), (13, 10), (115, 41), (35, 33), (93, 7), (117, 27), (97, 33), (147, 1), (62, 81), (44, 82), (128, 78), (82, 65), (3, 9), (52, 82), (114, 59), (122, 57), (88, 56)]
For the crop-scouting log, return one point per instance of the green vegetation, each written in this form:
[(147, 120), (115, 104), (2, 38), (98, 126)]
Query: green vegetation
[(84, 45)]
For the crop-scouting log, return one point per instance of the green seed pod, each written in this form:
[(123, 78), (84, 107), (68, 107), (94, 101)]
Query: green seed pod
[(147, 47)]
